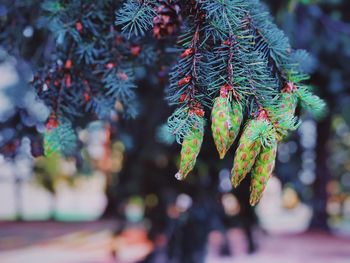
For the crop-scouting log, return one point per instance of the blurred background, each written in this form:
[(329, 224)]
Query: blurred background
[(118, 200)]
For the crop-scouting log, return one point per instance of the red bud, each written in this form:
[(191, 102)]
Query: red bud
[(199, 112), (225, 90), (122, 76), (79, 27), (289, 87), (110, 65), (68, 64), (68, 80), (135, 50), (263, 115), (52, 123), (86, 97), (183, 97), (184, 81), (187, 52)]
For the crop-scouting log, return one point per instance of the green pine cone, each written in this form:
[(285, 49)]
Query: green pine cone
[(261, 172), (226, 121), (191, 146), (246, 154), (289, 102)]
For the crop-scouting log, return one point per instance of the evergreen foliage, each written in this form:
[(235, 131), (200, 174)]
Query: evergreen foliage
[(136, 17), (87, 68), (60, 139), (84, 68), (239, 45)]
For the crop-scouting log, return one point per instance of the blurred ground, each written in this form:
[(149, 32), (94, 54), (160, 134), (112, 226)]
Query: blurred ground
[(85, 200), (51, 242)]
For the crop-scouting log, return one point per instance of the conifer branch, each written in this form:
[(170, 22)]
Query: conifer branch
[(136, 17)]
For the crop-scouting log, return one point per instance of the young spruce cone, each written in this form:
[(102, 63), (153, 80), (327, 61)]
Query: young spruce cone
[(246, 154), (287, 103), (226, 121), (191, 146), (288, 99), (261, 173)]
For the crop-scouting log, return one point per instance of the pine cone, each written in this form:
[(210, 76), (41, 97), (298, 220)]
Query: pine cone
[(245, 156), (289, 103), (261, 173), (226, 121), (191, 146), (288, 99), (168, 19)]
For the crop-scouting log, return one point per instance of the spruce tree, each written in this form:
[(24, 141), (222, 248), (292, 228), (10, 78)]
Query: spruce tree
[(233, 67)]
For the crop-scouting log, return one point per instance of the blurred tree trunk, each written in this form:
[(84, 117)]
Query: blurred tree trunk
[(323, 176), (111, 195), (105, 165), (18, 197), (53, 200)]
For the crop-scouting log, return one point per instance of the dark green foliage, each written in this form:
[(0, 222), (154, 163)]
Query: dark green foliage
[(136, 17), (239, 45), (311, 102), (84, 66), (61, 139), (87, 64)]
